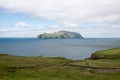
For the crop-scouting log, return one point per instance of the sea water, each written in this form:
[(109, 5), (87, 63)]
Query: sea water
[(70, 48)]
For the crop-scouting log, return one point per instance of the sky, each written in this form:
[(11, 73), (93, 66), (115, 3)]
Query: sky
[(90, 18)]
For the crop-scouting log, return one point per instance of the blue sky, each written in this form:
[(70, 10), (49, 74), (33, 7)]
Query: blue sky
[(8, 19), (28, 18)]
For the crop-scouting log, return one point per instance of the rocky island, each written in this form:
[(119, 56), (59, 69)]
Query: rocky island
[(60, 35)]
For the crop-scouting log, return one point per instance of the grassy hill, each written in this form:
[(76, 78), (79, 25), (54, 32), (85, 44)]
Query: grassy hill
[(60, 35), (103, 59), (58, 68), (107, 54)]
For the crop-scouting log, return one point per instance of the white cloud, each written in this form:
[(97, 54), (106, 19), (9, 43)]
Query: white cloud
[(64, 11), (71, 13), (96, 32), (19, 26), (22, 24)]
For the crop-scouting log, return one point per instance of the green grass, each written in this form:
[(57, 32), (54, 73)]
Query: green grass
[(107, 54), (102, 63), (104, 59), (54, 68)]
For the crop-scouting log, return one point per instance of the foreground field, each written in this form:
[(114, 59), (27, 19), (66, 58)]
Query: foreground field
[(39, 68)]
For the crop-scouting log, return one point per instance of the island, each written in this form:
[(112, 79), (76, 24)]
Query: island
[(60, 35)]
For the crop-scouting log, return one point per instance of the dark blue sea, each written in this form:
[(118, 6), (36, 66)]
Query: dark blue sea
[(69, 48)]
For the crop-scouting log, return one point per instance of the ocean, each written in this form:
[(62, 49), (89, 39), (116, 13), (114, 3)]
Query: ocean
[(76, 49)]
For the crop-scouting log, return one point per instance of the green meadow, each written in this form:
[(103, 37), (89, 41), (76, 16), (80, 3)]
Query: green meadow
[(59, 68)]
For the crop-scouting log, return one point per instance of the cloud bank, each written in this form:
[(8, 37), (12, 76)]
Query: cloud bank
[(71, 13)]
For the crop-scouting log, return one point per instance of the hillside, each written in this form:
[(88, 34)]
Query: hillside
[(106, 54), (59, 68), (106, 61), (60, 35)]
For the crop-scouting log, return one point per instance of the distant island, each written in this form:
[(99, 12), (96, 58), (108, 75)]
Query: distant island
[(60, 35)]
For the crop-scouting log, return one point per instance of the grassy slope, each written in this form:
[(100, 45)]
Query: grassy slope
[(102, 63), (48, 69), (107, 54), (104, 58)]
